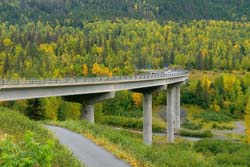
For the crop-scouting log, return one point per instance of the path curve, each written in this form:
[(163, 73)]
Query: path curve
[(88, 152)]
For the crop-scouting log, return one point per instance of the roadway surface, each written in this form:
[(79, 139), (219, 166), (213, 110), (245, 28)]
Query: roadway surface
[(85, 150)]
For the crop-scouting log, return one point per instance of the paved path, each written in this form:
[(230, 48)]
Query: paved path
[(87, 151), (239, 129)]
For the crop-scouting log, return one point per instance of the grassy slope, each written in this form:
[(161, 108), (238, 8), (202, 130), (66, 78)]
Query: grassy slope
[(14, 124), (129, 146)]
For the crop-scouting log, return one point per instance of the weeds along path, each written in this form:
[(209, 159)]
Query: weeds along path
[(88, 152)]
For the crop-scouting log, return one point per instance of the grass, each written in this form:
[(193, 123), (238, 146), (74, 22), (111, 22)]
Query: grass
[(16, 125)]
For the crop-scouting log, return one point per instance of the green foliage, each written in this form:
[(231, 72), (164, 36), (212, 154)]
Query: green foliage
[(203, 153), (29, 154), (192, 126), (131, 123), (15, 124), (215, 116), (196, 133), (74, 12), (223, 92), (39, 50), (157, 155), (222, 127), (68, 110), (227, 153)]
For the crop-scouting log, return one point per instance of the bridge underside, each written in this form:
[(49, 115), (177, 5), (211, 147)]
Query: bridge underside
[(173, 108)]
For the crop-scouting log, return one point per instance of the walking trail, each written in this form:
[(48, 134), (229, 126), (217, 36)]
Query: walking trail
[(85, 150)]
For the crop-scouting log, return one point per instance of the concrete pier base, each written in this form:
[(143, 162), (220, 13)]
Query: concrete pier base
[(147, 118)]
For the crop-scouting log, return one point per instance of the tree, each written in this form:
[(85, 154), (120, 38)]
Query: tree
[(96, 69), (247, 120), (137, 99), (35, 110), (85, 69), (6, 65)]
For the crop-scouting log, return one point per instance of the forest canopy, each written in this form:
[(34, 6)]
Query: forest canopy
[(73, 12), (121, 47)]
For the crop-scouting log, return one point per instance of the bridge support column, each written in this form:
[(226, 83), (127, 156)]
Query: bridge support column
[(88, 113), (170, 113), (88, 102), (177, 110), (147, 118), (147, 111)]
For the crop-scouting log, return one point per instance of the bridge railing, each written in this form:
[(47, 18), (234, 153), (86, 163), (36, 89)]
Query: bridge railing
[(91, 79)]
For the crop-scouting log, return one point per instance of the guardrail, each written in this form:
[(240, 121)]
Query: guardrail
[(91, 79)]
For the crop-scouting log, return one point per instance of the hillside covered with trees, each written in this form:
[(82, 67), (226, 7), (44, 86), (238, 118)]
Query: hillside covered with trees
[(121, 47), (73, 12)]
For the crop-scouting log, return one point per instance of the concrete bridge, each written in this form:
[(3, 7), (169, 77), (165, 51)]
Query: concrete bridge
[(89, 91)]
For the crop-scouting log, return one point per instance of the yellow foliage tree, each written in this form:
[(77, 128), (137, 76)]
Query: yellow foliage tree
[(85, 70), (7, 42), (137, 99), (96, 69), (247, 120)]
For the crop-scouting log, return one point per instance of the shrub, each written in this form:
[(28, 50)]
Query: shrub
[(208, 116), (189, 125), (131, 123), (226, 153), (29, 154), (15, 124), (202, 134), (216, 146), (222, 127)]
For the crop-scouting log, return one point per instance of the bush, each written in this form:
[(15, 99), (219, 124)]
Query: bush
[(29, 154), (15, 124), (222, 127), (208, 116), (189, 125), (216, 146), (226, 153), (201, 134), (131, 123)]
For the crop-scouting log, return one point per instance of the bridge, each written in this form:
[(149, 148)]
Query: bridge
[(89, 91)]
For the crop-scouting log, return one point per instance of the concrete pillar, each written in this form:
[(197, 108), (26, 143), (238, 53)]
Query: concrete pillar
[(170, 113), (88, 102), (177, 109), (147, 118), (88, 113)]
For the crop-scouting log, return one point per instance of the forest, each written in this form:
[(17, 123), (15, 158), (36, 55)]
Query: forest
[(122, 47), (73, 12)]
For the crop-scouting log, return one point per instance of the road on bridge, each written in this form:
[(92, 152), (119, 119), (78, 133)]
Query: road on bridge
[(87, 152)]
